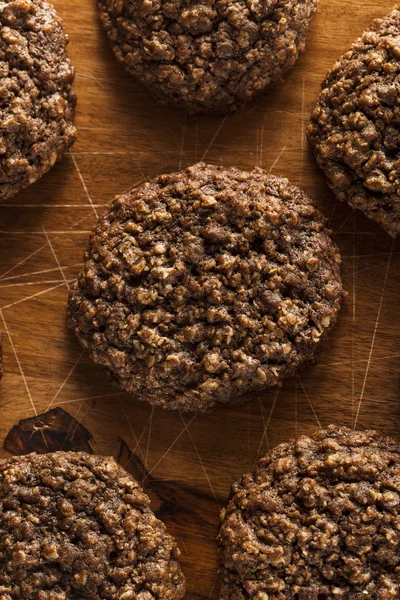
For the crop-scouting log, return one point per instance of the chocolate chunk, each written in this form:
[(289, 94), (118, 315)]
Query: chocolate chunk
[(49, 432)]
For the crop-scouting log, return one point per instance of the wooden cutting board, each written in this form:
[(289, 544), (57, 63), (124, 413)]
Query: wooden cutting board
[(187, 462)]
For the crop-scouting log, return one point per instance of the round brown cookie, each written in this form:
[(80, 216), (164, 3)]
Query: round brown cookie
[(78, 527), (36, 100), (207, 55), (317, 520), (202, 285), (354, 127)]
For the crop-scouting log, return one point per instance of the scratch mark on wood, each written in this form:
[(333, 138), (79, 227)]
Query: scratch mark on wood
[(56, 259), (65, 381), (178, 437), (146, 464), (214, 138), (33, 273), (309, 402), (19, 264), (182, 142), (265, 433), (277, 159), (378, 316), (201, 462), (18, 363), (35, 295), (84, 185)]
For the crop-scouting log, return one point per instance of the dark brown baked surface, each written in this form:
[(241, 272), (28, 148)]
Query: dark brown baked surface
[(202, 285), (1, 355), (207, 56), (75, 526), (36, 100), (354, 127), (318, 519)]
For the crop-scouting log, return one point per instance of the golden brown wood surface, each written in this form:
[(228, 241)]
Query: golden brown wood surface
[(187, 462)]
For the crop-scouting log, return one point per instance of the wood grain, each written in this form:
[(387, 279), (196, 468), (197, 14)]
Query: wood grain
[(188, 463)]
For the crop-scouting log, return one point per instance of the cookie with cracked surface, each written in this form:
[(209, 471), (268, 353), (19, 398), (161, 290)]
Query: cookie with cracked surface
[(1, 355), (206, 284), (76, 526), (354, 127), (317, 519), (207, 55), (36, 101)]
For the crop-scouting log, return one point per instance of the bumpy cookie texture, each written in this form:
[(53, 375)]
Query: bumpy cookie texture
[(36, 100), (75, 526), (318, 519), (1, 355), (205, 284), (354, 127), (208, 55)]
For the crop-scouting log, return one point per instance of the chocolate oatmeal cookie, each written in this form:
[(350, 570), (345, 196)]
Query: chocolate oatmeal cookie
[(205, 284), (354, 127), (317, 520), (207, 55), (36, 100), (78, 527), (1, 355)]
